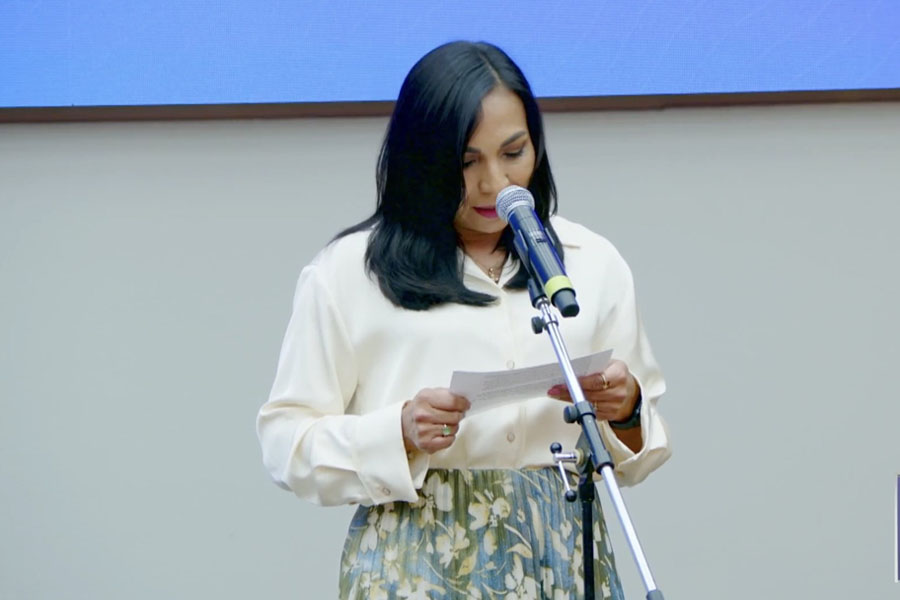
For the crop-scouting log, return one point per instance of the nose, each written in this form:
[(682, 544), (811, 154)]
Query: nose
[(492, 180)]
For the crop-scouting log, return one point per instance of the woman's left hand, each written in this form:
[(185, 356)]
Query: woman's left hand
[(613, 392)]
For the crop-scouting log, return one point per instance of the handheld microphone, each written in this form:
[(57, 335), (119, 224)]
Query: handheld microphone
[(515, 205)]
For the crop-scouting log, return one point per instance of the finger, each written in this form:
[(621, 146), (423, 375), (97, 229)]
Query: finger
[(423, 409), (606, 410), (438, 442), (448, 417), (444, 400), (598, 382), (445, 430), (603, 401), (592, 382), (559, 392), (617, 371)]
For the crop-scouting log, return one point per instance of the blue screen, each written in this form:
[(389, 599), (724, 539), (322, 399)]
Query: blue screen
[(138, 52)]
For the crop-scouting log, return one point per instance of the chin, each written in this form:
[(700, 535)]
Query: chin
[(492, 226)]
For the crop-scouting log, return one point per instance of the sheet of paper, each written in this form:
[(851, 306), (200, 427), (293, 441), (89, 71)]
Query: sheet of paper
[(495, 388)]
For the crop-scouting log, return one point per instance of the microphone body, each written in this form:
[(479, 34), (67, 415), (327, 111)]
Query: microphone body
[(515, 205)]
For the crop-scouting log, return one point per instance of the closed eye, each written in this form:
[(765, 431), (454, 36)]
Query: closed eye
[(513, 154)]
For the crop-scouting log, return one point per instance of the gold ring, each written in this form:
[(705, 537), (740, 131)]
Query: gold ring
[(445, 430), (605, 381)]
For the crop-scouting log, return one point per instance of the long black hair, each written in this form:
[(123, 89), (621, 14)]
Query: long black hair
[(413, 247)]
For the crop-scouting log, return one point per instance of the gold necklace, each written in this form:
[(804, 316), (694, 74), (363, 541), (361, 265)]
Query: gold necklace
[(493, 272)]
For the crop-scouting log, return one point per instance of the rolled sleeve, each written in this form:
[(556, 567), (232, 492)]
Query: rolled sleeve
[(626, 335), (380, 459), (310, 445), (632, 468)]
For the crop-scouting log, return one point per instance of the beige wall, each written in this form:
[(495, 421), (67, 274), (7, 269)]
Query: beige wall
[(147, 271)]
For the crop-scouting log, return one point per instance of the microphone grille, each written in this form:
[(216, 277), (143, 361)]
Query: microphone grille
[(510, 197)]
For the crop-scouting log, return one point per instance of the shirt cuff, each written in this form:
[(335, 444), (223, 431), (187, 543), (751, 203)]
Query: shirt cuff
[(380, 457), (632, 468)]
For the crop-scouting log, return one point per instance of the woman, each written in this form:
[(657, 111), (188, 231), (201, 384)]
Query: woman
[(454, 506)]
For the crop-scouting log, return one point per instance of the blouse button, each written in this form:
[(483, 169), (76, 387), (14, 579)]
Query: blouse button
[(510, 437), (386, 491), (510, 364)]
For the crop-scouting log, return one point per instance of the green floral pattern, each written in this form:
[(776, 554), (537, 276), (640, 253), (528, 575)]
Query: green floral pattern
[(482, 534)]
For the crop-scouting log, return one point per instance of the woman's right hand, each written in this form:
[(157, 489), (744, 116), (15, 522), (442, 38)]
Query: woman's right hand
[(423, 419)]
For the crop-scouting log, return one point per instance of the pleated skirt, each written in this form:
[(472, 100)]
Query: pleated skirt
[(483, 534)]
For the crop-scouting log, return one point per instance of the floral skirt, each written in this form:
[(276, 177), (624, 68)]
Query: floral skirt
[(476, 534)]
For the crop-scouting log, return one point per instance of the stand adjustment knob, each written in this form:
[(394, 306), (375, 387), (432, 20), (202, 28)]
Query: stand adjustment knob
[(560, 457)]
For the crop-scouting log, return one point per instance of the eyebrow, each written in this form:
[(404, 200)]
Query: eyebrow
[(507, 141)]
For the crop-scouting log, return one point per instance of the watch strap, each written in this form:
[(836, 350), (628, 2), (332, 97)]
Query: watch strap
[(633, 420)]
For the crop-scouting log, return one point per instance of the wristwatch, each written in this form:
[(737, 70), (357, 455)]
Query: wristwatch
[(633, 420)]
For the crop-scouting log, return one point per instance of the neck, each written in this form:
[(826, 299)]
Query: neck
[(484, 252), (480, 244)]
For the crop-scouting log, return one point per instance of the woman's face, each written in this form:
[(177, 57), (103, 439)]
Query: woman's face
[(498, 154)]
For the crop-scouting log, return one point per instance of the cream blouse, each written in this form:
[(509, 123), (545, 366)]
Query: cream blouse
[(331, 430)]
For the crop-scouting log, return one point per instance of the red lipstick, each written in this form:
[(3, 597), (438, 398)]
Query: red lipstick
[(489, 212)]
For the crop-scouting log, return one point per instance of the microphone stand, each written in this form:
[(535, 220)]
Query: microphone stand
[(596, 456)]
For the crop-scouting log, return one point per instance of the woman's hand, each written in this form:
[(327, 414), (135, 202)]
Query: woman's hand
[(431, 420), (613, 392)]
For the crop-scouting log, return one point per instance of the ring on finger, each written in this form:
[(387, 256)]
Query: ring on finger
[(604, 380), (446, 430)]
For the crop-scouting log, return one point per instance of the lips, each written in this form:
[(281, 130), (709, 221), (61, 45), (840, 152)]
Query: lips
[(488, 212)]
